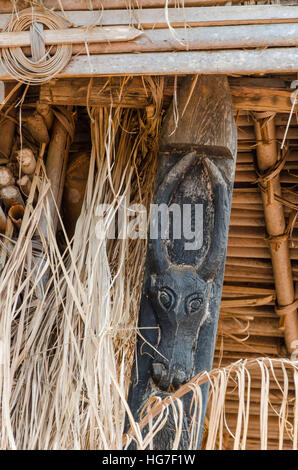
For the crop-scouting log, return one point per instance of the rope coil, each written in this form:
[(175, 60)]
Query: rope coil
[(30, 70)]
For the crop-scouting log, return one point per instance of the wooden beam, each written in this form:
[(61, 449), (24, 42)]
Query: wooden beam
[(6, 6), (192, 16), (72, 36), (163, 40), (103, 92), (211, 62), (195, 130)]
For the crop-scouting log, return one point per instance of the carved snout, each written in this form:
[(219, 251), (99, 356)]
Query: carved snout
[(164, 377)]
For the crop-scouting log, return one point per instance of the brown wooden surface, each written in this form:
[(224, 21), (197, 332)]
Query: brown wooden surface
[(196, 124)]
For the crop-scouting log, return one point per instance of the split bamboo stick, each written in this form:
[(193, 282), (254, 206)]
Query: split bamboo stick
[(258, 327), (257, 253), (244, 290), (246, 221), (264, 311), (248, 262), (275, 225)]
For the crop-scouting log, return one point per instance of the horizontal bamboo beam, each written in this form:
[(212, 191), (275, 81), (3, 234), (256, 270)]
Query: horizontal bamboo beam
[(247, 132), (236, 221), (260, 345), (192, 16), (248, 263), (247, 242), (6, 6), (224, 62), (255, 312), (72, 36), (163, 40), (257, 327), (250, 176), (229, 290)]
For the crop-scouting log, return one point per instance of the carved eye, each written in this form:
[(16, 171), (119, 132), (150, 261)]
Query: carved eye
[(194, 303), (166, 298)]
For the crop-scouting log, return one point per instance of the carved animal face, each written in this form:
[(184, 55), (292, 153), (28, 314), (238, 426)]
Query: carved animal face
[(179, 298)]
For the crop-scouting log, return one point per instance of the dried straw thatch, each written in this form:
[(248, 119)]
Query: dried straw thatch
[(67, 343)]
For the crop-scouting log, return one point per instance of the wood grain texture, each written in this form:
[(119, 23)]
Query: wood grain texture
[(205, 119), (72, 36), (193, 16)]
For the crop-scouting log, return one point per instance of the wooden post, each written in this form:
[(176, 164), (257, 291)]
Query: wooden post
[(184, 271)]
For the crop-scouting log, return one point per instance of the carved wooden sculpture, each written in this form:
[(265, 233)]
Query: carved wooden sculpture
[(183, 278)]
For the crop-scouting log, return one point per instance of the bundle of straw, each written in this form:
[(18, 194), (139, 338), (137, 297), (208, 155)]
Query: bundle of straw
[(66, 354)]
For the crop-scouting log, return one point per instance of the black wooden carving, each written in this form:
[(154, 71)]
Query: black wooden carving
[(182, 287)]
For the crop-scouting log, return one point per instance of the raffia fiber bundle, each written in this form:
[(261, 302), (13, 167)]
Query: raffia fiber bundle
[(269, 421), (66, 347)]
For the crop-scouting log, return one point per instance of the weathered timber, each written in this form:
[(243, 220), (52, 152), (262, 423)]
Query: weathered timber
[(72, 36), (259, 94), (193, 16), (101, 41), (6, 6), (212, 132), (202, 62), (103, 91), (182, 282)]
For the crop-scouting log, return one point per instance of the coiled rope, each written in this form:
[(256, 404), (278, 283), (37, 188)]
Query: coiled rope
[(30, 70)]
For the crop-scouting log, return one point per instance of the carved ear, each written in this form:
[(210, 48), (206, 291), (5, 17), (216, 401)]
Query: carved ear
[(217, 249), (157, 247)]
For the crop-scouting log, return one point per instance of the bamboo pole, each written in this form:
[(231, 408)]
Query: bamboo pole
[(275, 225), (74, 36), (55, 168), (6, 6), (108, 40), (270, 60)]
